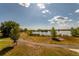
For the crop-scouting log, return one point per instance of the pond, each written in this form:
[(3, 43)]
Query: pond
[(49, 33)]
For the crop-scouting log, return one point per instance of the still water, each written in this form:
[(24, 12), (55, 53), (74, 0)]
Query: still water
[(49, 33)]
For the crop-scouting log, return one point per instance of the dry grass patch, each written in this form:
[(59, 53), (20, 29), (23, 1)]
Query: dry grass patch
[(24, 50), (44, 39)]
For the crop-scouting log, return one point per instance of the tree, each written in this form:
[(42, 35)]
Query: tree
[(75, 32), (21, 30), (53, 33), (29, 32), (10, 29), (25, 29), (15, 34)]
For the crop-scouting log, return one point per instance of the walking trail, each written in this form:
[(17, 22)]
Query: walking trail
[(74, 48)]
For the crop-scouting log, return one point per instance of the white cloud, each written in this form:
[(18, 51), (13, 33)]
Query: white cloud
[(45, 11), (77, 24), (70, 20), (77, 11), (60, 21), (41, 5), (25, 4), (43, 8)]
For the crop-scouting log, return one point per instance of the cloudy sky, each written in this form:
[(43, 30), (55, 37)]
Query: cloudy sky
[(44, 16)]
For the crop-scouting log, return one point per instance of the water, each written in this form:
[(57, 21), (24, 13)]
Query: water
[(64, 33), (49, 33), (42, 33)]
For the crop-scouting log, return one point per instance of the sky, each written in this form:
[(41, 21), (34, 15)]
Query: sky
[(41, 15)]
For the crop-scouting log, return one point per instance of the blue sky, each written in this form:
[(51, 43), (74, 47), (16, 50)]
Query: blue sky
[(44, 16)]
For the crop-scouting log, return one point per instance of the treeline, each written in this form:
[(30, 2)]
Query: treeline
[(12, 29), (30, 32), (73, 31)]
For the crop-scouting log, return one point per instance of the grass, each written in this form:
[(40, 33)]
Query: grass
[(67, 41), (4, 42), (39, 39), (44, 39), (23, 50)]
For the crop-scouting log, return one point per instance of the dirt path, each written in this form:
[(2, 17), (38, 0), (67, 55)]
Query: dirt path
[(47, 45), (76, 50), (34, 44)]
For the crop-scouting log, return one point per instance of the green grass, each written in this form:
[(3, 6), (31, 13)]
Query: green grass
[(23, 50), (4, 42)]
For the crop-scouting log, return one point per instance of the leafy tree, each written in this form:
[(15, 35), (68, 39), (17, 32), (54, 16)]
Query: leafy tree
[(53, 33), (75, 32), (29, 32), (21, 30), (14, 34), (25, 30), (10, 29), (77, 29)]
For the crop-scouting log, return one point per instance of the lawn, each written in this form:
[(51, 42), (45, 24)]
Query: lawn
[(5, 42)]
